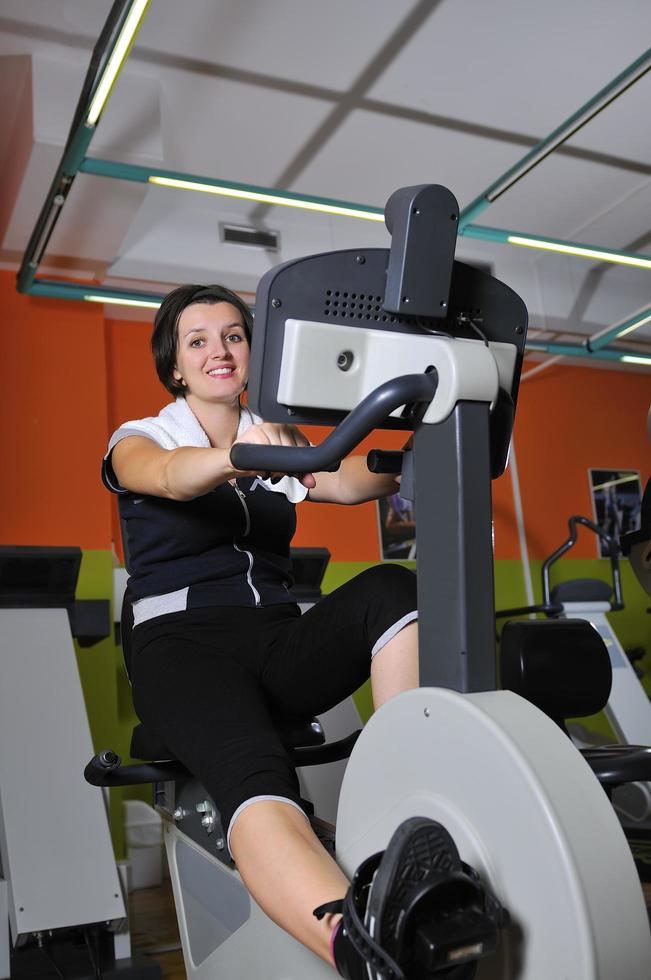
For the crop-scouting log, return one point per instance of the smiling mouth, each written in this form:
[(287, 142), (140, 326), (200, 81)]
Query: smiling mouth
[(221, 372)]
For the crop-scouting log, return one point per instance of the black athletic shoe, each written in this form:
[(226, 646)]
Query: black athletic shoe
[(426, 909), (415, 911)]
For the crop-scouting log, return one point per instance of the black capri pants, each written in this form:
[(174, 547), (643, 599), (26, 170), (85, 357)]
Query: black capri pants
[(207, 682)]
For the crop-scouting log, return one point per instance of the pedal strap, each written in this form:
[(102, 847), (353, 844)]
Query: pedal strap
[(328, 908)]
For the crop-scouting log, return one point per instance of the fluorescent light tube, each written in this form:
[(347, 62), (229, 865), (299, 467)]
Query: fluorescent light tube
[(581, 251), (119, 301), (116, 60), (634, 326), (634, 359), (263, 198)]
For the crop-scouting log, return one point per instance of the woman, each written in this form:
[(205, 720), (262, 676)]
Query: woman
[(218, 646)]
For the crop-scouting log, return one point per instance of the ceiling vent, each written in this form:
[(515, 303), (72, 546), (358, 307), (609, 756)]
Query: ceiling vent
[(252, 237)]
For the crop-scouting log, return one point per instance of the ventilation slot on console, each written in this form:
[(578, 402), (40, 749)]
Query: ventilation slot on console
[(344, 305)]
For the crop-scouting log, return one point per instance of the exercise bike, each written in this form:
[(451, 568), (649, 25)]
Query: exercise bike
[(410, 338), (628, 709)]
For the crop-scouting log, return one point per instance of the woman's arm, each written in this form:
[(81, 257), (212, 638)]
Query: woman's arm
[(353, 483), (142, 466), (178, 474)]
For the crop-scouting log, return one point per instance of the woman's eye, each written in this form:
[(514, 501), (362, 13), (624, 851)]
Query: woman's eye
[(197, 342), (234, 338)]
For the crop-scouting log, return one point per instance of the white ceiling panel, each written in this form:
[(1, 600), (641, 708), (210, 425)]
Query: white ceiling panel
[(516, 65), (218, 128), (348, 99), (367, 161), (563, 196)]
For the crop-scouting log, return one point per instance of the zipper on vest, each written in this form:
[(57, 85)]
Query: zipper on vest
[(243, 551)]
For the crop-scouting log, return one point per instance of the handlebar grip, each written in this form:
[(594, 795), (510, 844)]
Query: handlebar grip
[(385, 460), (279, 459)]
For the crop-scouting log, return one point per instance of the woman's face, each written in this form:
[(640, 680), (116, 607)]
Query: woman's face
[(212, 352)]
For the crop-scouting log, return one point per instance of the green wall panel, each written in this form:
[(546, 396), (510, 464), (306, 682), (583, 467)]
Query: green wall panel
[(106, 689)]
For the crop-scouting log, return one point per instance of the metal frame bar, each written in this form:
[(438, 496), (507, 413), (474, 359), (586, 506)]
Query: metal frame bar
[(560, 135), (75, 149), (599, 340), (455, 574), (74, 159)]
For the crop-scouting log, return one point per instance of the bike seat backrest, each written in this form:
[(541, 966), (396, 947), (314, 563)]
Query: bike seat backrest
[(560, 666)]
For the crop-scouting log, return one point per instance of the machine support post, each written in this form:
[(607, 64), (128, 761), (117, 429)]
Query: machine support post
[(456, 623)]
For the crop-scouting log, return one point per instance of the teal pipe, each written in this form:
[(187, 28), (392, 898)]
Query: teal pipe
[(127, 171), (599, 340), (579, 350), (560, 135), (502, 236), (74, 291), (76, 147)]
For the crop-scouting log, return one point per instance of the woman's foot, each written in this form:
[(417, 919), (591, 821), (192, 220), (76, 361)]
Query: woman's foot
[(416, 909)]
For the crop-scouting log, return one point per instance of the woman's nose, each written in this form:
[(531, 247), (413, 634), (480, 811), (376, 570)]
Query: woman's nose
[(218, 349)]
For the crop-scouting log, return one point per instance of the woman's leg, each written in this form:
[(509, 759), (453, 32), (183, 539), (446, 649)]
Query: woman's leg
[(394, 668), (367, 626), (314, 663), (288, 871), (205, 704)]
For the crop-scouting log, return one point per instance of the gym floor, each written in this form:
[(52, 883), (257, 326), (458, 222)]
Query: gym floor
[(154, 929)]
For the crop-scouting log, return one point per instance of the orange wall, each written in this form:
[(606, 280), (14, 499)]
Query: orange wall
[(71, 377), (53, 421), (569, 420)]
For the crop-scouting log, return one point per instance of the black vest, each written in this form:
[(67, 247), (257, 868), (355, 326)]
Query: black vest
[(228, 547)]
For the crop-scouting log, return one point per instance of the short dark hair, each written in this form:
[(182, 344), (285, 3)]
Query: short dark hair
[(164, 339)]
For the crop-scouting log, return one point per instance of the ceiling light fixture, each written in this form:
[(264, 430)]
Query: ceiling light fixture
[(637, 70), (581, 251), (635, 359), (285, 200), (116, 60), (634, 326), (101, 298), (604, 337)]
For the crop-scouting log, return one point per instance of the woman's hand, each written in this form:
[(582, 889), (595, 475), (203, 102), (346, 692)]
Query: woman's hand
[(274, 434)]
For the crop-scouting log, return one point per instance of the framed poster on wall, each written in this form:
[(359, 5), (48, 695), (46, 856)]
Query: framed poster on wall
[(616, 502), (397, 527)]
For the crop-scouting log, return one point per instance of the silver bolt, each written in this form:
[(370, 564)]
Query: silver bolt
[(220, 843), (427, 712), (275, 303), (179, 813), (208, 823), (208, 819), (59, 200)]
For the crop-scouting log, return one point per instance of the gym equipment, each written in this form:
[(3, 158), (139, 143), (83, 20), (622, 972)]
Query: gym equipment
[(412, 339), (55, 848), (636, 545), (628, 709)]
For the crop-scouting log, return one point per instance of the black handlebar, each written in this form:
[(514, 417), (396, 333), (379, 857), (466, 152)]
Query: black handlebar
[(550, 608), (611, 547), (349, 433)]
